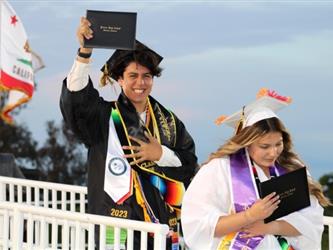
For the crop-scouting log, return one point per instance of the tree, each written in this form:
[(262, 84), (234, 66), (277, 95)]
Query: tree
[(17, 139), (61, 157), (327, 182)]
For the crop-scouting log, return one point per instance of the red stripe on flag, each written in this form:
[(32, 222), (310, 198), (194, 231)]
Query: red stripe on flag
[(7, 109), (13, 83)]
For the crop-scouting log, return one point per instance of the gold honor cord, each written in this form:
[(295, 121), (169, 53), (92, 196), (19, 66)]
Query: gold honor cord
[(155, 127), (174, 125), (139, 197)]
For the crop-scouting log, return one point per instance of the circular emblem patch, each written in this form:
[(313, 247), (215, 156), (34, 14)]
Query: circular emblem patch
[(117, 166)]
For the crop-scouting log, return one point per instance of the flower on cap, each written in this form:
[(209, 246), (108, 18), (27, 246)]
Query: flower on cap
[(266, 92), (220, 119), (267, 103)]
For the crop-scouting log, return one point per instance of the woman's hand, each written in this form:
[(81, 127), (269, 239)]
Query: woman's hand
[(263, 208), (146, 151), (276, 227), (255, 229), (250, 219)]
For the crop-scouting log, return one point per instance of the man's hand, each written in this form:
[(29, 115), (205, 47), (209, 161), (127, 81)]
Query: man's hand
[(146, 151), (84, 31)]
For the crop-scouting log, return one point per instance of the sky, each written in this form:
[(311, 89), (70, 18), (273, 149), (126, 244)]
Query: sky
[(217, 55)]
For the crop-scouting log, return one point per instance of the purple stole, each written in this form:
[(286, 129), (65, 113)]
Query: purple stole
[(244, 194)]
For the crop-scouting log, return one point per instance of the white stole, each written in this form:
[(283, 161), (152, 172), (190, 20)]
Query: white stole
[(118, 174)]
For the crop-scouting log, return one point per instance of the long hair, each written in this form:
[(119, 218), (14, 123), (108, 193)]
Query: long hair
[(288, 159)]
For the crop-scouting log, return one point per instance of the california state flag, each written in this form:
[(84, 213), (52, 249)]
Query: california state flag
[(16, 75)]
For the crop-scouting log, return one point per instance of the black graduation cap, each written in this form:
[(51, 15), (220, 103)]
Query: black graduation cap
[(119, 55)]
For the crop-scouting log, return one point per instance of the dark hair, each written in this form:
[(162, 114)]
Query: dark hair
[(144, 58)]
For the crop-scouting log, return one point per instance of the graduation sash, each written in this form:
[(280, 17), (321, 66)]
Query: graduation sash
[(244, 194), (125, 121), (118, 177)]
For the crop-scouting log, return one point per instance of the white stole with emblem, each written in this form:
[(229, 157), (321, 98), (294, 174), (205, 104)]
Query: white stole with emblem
[(117, 177)]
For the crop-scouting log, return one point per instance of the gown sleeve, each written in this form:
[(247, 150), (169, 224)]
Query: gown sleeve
[(206, 199), (309, 222), (185, 151), (85, 112)]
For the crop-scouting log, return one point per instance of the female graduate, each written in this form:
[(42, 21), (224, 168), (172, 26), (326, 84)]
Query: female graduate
[(222, 209)]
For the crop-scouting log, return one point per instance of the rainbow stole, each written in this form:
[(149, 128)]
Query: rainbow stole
[(171, 190)]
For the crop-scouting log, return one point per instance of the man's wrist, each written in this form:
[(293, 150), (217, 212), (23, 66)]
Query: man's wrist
[(84, 53)]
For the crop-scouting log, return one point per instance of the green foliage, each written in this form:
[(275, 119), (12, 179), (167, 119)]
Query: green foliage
[(327, 183), (61, 157), (17, 139)]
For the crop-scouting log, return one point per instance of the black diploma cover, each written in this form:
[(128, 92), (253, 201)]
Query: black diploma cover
[(293, 190), (112, 30)]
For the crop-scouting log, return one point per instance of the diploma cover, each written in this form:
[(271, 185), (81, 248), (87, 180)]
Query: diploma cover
[(112, 30), (293, 190)]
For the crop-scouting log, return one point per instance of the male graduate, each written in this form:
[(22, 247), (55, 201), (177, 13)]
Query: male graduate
[(140, 155)]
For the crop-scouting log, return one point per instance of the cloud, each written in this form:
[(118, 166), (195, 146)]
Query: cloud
[(217, 55), (220, 80)]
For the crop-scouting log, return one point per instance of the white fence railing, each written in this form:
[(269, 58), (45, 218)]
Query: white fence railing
[(60, 197), (43, 194), (76, 230), (55, 197)]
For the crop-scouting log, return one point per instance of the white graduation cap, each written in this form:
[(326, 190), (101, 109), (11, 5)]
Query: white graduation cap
[(267, 104)]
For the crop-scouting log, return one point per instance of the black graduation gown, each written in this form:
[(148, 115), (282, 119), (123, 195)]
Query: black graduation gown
[(88, 115)]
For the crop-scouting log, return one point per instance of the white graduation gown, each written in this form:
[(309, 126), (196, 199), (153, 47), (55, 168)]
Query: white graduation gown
[(209, 197)]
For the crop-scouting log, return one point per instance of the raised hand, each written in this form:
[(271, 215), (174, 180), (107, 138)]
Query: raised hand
[(84, 31), (146, 151)]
